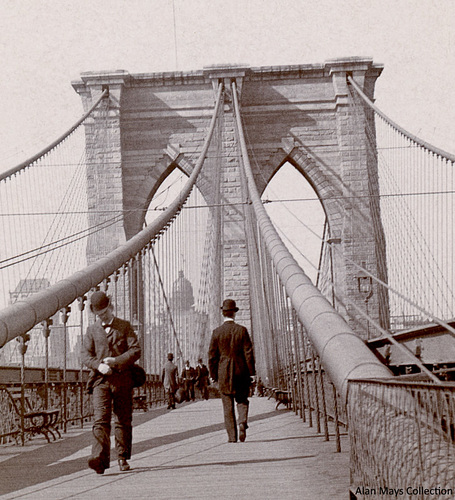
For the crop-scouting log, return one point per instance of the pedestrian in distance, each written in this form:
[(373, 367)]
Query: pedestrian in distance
[(202, 379), (109, 349), (188, 379), (170, 382), (260, 388), (231, 365)]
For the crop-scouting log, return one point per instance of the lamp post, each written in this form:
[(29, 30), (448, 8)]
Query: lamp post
[(365, 287)]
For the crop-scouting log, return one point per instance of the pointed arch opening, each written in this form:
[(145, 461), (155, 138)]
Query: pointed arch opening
[(192, 224), (298, 215), (178, 274)]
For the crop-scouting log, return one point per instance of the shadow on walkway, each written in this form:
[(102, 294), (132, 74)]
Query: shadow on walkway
[(35, 466)]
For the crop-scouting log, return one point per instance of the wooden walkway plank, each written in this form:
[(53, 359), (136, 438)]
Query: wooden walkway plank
[(184, 454)]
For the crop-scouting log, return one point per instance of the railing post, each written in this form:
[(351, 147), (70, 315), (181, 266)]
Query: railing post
[(46, 332), (324, 406), (23, 339), (81, 302), (316, 392), (337, 425), (115, 278), (298, 365), (64, 315), (306, 377)]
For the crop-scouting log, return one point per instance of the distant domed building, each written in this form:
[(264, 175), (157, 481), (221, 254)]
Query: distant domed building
[(182, 293)]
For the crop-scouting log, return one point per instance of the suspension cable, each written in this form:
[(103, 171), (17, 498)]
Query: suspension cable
[(397, 127), (51, 146), (329, 332), (44, 304)]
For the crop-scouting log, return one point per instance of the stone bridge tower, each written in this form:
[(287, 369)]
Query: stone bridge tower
[(151, 123)]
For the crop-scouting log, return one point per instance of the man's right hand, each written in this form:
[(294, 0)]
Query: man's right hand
[(104, 369)]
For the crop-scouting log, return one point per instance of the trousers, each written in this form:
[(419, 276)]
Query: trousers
[(108, 398), (241, 398), (170, 397)]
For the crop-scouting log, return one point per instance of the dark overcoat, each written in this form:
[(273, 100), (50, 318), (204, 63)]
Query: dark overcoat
[(169, 377), (231, 358), (120, 343)]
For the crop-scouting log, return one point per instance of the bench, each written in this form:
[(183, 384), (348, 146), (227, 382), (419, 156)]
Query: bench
[(269, 391), (281, 397), (36, 420), (140, 402)]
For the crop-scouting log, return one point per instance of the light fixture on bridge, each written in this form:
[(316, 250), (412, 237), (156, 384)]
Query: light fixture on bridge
[(365, 285)]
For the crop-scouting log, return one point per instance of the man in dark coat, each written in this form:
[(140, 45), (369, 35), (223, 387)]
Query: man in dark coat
[(110, 347), (202, 379), (188, 376), (231, 364)]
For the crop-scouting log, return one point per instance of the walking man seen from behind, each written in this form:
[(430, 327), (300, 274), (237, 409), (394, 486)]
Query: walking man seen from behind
[(231, 364), (110, 347), (202, 379), (169, 379)]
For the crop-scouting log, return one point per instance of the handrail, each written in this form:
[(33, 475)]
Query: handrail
[(51, 146), (342, 352), (20, 317), (401, 130)]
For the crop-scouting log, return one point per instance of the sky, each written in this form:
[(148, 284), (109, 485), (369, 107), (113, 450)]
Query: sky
[(46, 44)]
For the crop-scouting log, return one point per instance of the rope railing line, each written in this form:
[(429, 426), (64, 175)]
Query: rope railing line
[(17, 319), (90, 231), (51, 146), (213, 205), (401, 130), (313, 309)]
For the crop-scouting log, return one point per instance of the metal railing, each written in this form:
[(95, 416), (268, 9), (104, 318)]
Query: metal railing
[(402, 439), (70, 398)]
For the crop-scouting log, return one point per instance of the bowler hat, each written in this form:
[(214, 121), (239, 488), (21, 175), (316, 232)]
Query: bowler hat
[(229, 305), (99, 302)]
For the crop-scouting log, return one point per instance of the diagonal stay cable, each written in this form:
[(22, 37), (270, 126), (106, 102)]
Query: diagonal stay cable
[(43, 249), (168, 307), (19, 318), (386, 333), (379, 281), (331, 335)]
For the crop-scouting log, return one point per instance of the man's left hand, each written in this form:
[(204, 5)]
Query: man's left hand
[(109, 361)]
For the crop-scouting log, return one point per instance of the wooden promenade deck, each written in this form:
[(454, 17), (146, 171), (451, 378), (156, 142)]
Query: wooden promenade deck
[(184, 454)]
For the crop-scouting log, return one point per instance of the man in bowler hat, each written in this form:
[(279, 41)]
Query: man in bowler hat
[(231, 364), (169, 380), (110, 347)]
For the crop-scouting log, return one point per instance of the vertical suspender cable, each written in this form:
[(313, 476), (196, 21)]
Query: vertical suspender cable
[(332, 337)]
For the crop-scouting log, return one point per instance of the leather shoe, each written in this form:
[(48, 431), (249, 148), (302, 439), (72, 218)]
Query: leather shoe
[(123, 465), (96, 465), (242, 432)]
